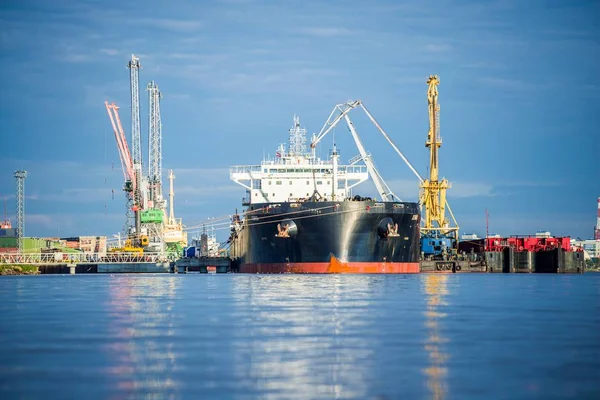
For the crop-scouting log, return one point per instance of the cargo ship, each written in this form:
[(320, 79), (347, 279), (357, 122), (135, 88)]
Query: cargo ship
[(301, 217)]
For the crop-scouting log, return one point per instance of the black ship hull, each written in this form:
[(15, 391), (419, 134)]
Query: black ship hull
[(327, 237)]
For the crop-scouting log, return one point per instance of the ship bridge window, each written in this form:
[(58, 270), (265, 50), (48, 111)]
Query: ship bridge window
[(278, 182), (272, 170), (307, 182), (319, 182), (256, 184)]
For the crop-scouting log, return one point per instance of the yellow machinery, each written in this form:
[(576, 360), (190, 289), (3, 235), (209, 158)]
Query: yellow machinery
[(433, 191), (132, 245)]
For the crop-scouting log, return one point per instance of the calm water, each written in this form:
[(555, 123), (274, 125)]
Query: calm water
[(300, 337)]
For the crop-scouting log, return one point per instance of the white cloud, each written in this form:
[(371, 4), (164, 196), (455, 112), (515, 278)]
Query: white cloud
[(77, 58), (39, 220), (109, 52), (326, 31), (179, 25), (202, 190), (510, 84), (470, 189), (80, 195), (438, 48)]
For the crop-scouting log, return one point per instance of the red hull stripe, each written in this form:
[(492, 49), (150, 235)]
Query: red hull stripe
[(333, 267)]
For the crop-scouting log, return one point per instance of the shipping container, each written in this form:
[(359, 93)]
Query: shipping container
[(8, 232)]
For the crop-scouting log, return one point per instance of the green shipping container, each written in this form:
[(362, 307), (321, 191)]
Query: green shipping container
[(6, 242)]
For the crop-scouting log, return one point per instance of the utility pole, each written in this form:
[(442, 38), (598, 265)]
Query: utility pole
[(487, 223), (20, 177)]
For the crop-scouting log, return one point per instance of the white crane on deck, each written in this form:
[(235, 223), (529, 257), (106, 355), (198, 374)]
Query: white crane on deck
[(340, 112)]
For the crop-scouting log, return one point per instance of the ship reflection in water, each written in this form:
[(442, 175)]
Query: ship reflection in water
[(234, 336), (141, 354), (306, 337), (435, 288)]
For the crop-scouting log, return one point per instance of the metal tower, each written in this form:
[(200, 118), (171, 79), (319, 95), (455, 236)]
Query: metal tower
[(136, 138), (154, 138), (20, 177), (433, 190), (297, 139), (597, 231)]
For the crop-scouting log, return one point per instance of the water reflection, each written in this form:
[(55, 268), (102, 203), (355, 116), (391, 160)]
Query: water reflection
[(435, 288), (305, 337), (140, 321)]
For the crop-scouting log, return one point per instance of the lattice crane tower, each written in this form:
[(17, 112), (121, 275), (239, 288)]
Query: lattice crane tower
[(136, 138), (20, 177), (433, 190), (154, 141)]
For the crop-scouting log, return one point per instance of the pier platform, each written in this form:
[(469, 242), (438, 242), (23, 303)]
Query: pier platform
[(204, 265)]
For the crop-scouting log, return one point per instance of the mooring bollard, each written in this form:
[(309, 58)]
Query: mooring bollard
[(72, 269)]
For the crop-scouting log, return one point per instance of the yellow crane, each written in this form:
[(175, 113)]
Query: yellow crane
[(433, 190)]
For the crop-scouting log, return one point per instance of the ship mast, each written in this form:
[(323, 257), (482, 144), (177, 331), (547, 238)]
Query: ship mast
[(171, 196)]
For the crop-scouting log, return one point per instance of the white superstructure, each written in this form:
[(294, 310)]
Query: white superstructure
[(295, 174)]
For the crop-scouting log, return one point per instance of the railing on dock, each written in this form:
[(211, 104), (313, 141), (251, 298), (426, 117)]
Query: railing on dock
[(63, 258)]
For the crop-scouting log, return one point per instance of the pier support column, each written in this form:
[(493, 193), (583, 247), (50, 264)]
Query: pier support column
[(72, 269), (181, 269)]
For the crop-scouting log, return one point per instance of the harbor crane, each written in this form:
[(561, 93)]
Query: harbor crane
[(433, 190), (148, 226), (132, 177), (437, 231)]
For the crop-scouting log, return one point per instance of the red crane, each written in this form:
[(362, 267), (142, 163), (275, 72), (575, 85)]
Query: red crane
[(124, 154)]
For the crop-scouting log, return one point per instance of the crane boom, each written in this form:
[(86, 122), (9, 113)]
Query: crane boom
[(124, 154), (345, 109), (385, 135), (382, 188), (329, 125)]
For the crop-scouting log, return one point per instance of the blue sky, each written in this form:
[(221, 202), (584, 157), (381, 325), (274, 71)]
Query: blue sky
[(519, 101)]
